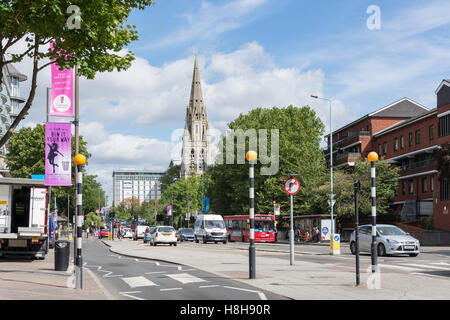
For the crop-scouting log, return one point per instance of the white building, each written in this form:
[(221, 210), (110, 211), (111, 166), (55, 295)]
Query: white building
[(10, 100), (140, 184)]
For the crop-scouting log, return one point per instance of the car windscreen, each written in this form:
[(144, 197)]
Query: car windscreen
[(214, 224), (166, 229), (391, 231), (187, 231), (264, 226)]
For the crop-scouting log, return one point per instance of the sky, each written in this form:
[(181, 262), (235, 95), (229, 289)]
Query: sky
[(254, 53)]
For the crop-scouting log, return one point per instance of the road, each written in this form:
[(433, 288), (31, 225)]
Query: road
[(432, 263), (142, 279)]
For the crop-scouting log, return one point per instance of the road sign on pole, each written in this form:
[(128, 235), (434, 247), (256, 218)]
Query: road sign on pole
[(291, 186), (276, 209)]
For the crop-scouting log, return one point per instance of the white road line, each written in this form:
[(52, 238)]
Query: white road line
[(427, 266), (128, 294), (210, 286), (429, 275), (389, 266), (261, 295), (185, 278), (171, 289), (135, 282)]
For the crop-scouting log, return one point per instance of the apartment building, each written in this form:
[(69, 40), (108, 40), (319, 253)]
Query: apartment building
[(407, 134)]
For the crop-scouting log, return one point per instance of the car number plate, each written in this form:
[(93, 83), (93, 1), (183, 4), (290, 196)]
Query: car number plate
[(409, 247), (166, 235)]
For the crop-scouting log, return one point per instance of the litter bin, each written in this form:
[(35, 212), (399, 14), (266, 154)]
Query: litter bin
[(62, 253)]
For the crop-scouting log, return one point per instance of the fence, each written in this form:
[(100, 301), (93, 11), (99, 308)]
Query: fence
[(432, 237)]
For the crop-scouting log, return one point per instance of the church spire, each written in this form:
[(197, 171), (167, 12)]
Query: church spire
[(196, 105)]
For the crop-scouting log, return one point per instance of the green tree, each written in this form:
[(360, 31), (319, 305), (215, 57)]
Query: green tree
[(93, 45), (343, 189), (172, 175), (442, 157), (300, 131), (92, 220)]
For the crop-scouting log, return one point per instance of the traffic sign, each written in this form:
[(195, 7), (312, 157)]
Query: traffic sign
[(329, 202), (291, 186), (276, 209)]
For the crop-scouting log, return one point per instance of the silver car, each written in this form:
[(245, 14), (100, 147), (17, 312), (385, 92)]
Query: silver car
[(390, 240)]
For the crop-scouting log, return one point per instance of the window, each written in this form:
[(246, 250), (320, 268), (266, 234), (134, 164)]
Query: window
[(417, 136), (444, 126), (410, 139), (379, 148), (410, 187), (432, 183), (431, 131), (384, 147), (395, 144), (424, 184), (403, 187), (445, 190), (402, 142)]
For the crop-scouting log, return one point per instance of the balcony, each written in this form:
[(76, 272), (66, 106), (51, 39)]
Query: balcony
[(346, 157), (352, 137), (418, 166)]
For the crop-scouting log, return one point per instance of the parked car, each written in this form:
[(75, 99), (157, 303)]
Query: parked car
[(103, 233), (147, 234), (185, 234), (163, 234), (127, 233), (390, 240)]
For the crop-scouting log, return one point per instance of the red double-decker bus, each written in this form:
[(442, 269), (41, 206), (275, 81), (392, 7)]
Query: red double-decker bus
[(238, 228)]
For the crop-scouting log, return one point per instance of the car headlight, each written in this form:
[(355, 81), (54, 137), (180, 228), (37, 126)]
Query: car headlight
[(392, 241)]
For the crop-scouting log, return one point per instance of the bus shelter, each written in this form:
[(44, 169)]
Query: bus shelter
[(307, 228)]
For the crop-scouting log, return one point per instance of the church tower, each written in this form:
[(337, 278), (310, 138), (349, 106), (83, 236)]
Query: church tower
[(196, 140)]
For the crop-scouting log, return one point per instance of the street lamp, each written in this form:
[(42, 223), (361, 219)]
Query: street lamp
[(80, 161), (251, 158), (331, 167)]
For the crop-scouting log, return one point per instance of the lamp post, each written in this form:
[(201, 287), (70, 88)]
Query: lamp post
[(373, 157), (251, 157), (331, 171), (80, 161)]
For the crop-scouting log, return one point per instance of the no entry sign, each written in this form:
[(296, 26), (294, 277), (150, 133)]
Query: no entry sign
[(291, 186)]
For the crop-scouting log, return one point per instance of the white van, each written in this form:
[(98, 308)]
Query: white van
[(210, 227)]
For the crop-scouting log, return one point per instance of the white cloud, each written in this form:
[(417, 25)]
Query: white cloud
[(211, 20)]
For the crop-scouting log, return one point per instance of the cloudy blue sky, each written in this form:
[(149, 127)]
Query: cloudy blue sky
[(255, 53)]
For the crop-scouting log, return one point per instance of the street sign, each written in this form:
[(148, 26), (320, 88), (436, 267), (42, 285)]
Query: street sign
[(329, 202), (276, 209), (188, 216), (205, 204), (291, 186), (169, 211)]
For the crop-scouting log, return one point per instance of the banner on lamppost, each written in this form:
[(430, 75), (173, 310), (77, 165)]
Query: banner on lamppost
[(58, 154), (62, 91), (169, 211)]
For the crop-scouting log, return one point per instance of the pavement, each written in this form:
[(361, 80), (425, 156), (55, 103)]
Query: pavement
[(303, 280), (38, 280)]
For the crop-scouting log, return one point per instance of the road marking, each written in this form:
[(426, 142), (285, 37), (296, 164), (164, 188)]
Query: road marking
[(210, 286), (389, 266), (185, 278), (427, 266), (429, 275), (261, 295), (171, 289), (135, 282), (128, 294)]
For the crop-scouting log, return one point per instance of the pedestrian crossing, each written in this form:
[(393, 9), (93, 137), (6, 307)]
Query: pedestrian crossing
[(441, 268)]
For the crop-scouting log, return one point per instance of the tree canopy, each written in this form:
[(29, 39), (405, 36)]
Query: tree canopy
[(90, 34)]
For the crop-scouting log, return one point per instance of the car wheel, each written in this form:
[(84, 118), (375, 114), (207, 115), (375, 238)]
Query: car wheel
[(215, 242), (353, 247), (204, 240), (229, 238), (196, 240), (225, 242), (145, 241), (175, 244), (413, 254), (381, 250)]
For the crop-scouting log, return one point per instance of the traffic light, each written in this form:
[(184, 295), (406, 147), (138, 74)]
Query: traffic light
[(135, 218)]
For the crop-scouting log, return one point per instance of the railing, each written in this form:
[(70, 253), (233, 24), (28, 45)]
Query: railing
[(350, 135), (347, 155), (418, 164)]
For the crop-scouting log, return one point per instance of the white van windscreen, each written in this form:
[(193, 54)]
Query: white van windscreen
[(214, 224)]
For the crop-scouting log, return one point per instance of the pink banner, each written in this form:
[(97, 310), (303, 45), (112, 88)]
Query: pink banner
[(58, 154), (62, 91)]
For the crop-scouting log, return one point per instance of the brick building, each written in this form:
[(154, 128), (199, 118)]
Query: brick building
[(407, 134)]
